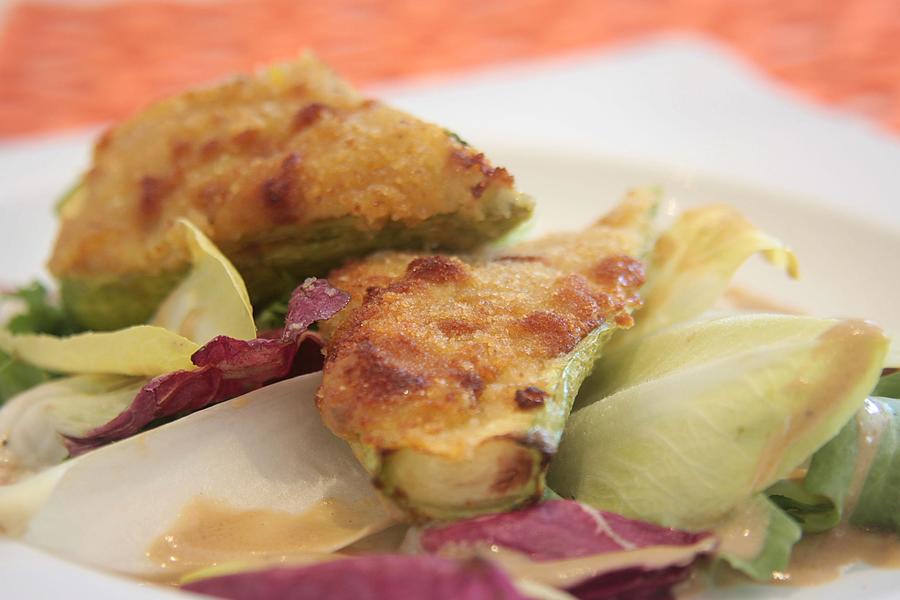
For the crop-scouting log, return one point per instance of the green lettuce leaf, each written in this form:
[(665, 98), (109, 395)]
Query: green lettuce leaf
[(36, 313), (701, 417), (812, 512), (693, 261), (888, 386), (40, 314), (854, 477), (879, 499), (758, 538), (17, 376), (272, 316)]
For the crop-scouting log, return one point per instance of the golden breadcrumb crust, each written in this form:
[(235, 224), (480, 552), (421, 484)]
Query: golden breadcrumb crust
[(438, 354), (287, 147)]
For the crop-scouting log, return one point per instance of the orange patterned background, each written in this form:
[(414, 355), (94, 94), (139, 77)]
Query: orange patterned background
[(64, 66)]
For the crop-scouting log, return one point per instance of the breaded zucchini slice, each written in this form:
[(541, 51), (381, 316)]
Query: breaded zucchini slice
[(289, 172), (452, 380)]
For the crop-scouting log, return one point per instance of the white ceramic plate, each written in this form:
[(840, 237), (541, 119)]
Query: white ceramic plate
[(675, 102)]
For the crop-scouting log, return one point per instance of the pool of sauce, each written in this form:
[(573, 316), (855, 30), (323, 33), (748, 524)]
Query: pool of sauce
[(822, 557), (208, 533), (745, 535)]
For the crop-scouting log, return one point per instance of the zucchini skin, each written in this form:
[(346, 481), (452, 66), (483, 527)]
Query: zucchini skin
[(453, 378), (289, 171), (272, 264), (504, 473)]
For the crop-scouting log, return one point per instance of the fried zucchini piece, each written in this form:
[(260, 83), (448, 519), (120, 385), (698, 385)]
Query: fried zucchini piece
[(289, 172), (452, 380)]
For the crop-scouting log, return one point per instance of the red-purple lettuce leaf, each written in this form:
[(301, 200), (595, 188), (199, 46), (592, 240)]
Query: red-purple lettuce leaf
[(374, 577), (634, 559), (228, 367), (632, 584), (315, 300)]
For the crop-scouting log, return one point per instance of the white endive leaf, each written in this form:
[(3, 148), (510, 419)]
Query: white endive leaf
[(705, 415), (893, 356), (694, 343), (693, 261), (261, 458), (139, 350), (212, 300), (32, 423)]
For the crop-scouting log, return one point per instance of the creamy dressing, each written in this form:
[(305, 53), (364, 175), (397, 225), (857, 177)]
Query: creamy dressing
[(745, 534), (208, 533), (388, 541), (566, 573), (816, 560), (821, 558)]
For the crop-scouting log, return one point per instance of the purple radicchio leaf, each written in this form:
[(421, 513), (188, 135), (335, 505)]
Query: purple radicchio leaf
[(374, 577), (632, 584), (314, 300), (636, 560), (227, 367)]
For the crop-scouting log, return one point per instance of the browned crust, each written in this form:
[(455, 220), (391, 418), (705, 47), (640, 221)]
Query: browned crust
[(287, 147), (438, 354), (530, 397)]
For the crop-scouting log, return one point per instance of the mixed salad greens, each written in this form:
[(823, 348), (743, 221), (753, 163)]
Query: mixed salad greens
[(692, 426)]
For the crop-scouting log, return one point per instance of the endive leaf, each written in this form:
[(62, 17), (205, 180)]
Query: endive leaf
[(694, 433), (656, 356), (265, 457), (32, 424), (139, 350), (212, 300), (72, 415), (227, 367), (692, 263)]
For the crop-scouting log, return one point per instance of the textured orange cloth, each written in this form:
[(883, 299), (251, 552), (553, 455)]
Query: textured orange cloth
[(68, 66)]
